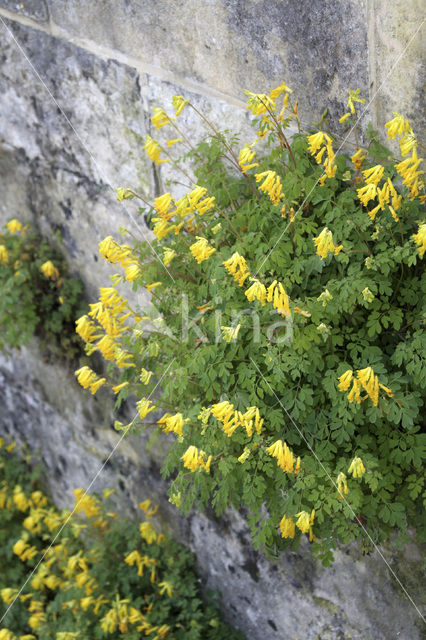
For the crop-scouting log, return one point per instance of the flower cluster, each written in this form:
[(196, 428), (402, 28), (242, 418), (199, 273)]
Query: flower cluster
[(365, 379), (201, 250), (304, 522), (285, 457), (271, 185), (94, 580), (325, 245), (320, 143)]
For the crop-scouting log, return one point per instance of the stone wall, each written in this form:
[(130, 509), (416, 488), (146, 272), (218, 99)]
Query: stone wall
[(78, 81)]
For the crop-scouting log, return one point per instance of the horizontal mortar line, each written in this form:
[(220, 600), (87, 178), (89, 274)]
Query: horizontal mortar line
[(108, 53)]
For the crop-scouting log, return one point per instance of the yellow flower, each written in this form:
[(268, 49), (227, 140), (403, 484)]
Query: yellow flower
[(325, 297), (342, 486), (14, 225), (143, 408), (237, 267), (124, 194), (257, 290), (166, 587), (397, 126), (20, 499), (287, 527), (174, 141), (153, 150), (49, 270), (148, 532), (325, 245), (132, 272), (230, 333), (160, 118), (163, 203), (356, 468), (173, 423), (374, 174), (193, 459), (345, 380), (119, 387), (358, 158), (367, 193), (179, 103), (3, 255), (277, 295), (344, 117), (245, 158), (285, 458), (86, 503), (420, 239), (201, 250), (408, 142), (271, 185), (370, 382), (258, 103), (86, 329), (8, 595), (168, 256), (367, 294), (305, 521)]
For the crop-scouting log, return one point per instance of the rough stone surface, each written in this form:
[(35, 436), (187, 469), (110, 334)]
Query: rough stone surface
[(294, 598), (107, 64)]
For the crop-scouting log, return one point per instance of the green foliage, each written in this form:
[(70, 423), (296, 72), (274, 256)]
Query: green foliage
[(357, 305), (32, 302), (84, 586)]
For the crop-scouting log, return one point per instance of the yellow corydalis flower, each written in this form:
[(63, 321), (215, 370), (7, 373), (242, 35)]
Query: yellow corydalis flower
[(367, 380), (173, 423), (153, 150), (168, 256), (246, 156), (49, 270), (356, 468), (179, 103), (14, 226), (194, 459), (279, 298), (163, 203), (411, 174), (285, 457), (230, 333), (258, 103), (397, 126), (374, 174), (271, 185), (224, 412), (89, 380), (287, 527), (201, 250), (358, 158), (86, 329), (318, 144), (4, 255), (160, 118), (420, 239), (256, 291), (325, 245), (144, 408), (342, 485), (237, 267), (305, 521)]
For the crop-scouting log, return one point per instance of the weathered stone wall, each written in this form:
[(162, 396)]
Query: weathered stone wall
[(73, 129)]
